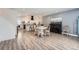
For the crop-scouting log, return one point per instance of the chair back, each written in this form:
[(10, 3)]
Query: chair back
[(66, 29)]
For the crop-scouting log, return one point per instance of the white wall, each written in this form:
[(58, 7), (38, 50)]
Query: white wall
[(8, 19), (7, 24), (7, 30), (69, 18)]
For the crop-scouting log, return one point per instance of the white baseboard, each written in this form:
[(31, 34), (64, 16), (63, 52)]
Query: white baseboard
[(73, 35), (70, 34)]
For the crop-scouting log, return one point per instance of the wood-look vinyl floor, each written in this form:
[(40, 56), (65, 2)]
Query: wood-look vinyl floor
[(28, 41)]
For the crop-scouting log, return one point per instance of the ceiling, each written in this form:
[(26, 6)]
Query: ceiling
[(39, 11)]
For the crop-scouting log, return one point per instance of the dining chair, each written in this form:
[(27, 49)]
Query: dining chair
[(66, 30), (47, 31), (40, 33)]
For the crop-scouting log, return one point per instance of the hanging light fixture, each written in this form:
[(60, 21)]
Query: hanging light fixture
[(32, 17)]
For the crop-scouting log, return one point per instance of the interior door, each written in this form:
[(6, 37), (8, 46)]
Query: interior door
[(78, 25)]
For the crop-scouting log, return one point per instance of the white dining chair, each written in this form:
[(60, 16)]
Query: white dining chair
[(66, 30), (47, 31), (40, 33)]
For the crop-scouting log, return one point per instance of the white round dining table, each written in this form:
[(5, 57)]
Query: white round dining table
[(41, 27)]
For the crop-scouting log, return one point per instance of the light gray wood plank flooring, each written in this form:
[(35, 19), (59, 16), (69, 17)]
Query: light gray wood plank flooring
[(28, 41)]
